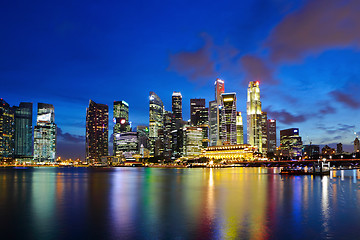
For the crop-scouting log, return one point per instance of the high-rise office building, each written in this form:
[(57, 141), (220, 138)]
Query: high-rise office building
[(97, 131), (290, 143), (127, 144), (192, 145), (197, 105), (271, 135), (339, 148), (169, 126), (213, 127), (6, 131), (177, 105), (156, 119), (264, 133), (356, 145), (253, 110), (200, 118), (311, 151), (143, 136), (23, 131), (121, 123), (239, 129), (45, 134), (219, 89), (228, 118)]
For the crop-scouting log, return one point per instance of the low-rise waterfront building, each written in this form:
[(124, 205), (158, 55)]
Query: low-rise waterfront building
[(238, 152)]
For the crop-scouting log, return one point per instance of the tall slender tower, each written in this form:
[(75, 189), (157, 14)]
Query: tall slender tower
[(121, 124), (213, 127), (264, 132), (6, 131), (253, 109), (23, 130), (177, 105), (219, 89), (97, 131), (271, 134), (45, 134), (156, 119), (239, 129), (228, 118)]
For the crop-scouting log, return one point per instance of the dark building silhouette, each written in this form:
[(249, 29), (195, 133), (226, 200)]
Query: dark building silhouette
[(6, 131), (271, 135), (97, 120), (23, 131), (339, 148)]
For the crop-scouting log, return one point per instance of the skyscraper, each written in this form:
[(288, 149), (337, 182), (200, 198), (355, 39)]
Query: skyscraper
[(121, 124), (219, 89), (97, 131), (228, 118), (45, 134), (253, 109), (23, 130), (213, 124), (356, 145), (271, 135), (156, 119), (264, 133), (197, 105), (6, 131), (290, 143), (239, 129), (177, 105)]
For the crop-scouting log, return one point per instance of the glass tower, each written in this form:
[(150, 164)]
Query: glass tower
[(271, 134), (228, 123), (121, 124), (45, 134), (177, 105), (213, 127), (23, 130), (97, 131), (219, 89), (156, 119), (264, 135), (253, 109), (239, 129)]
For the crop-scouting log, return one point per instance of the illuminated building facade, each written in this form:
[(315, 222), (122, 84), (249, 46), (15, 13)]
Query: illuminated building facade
[(228, 121), (290, 143), (238, 152), (97, 131), (143, 136), (253, 109), (264, 133), (23, 130), (169, 126), (127, 144), (213, 128), (156, 119), (192, 141), (121, 123), (239, 129), (177, 105), (311, 151), (200, 118), (271, 135), (6, 131), (219, 89), (45, 134), (177, 136)]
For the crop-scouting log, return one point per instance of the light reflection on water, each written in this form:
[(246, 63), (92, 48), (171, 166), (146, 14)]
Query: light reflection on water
[(145, 203)]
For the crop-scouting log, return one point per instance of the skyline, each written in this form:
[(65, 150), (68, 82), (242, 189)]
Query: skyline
[(72, 48)]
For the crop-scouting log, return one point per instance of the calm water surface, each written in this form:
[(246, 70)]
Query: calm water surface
[(148, 203)]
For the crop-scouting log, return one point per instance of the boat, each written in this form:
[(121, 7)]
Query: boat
[(321, 168), (293, 171)]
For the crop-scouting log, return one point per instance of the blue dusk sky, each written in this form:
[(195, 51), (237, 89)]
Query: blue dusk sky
[(304, 53)]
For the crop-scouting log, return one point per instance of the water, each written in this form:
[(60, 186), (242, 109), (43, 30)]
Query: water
[(149, 203)]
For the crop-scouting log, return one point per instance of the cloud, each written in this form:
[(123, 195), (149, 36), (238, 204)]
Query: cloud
[(340, 128), (318, 26), (67, 137), (197, 64), (345, 99), (327, 110), (256, 69), (286, 117)]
